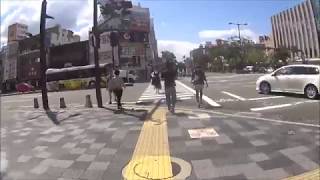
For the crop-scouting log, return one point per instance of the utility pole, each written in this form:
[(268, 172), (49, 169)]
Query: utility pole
[(114, 41), (240, 42), (43, 59), (96, 54)]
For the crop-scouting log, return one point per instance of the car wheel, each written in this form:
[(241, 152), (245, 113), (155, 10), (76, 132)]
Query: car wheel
[(311, 92), (265, 88)]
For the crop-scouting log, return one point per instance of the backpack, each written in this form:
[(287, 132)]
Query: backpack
[(198, 77)]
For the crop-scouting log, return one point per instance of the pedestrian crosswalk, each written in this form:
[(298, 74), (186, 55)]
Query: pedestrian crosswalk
[(150, 95)]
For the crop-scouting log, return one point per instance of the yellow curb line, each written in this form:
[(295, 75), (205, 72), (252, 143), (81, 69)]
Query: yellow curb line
[(151, 157), (311, 175)]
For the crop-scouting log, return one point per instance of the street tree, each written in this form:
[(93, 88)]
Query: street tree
[(282, 54), (168, 56)]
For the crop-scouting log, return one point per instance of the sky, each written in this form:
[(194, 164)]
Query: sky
[(180, 25)]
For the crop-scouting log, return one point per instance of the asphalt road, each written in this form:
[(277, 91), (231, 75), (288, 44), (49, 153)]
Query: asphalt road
[(236, 94), (72, 98)]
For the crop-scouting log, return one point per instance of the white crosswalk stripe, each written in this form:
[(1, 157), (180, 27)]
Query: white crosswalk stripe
[(149, 95)]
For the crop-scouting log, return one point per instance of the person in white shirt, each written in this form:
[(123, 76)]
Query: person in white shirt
[(109, 77), (116, 85)]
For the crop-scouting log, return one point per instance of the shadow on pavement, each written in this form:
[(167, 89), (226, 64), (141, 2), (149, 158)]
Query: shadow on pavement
[(139, 113), (301, 96), (53, 117), (181, 114)]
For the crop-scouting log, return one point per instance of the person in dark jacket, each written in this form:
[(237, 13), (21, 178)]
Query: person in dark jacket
[(198, 80), (156, 81), (169, 75)]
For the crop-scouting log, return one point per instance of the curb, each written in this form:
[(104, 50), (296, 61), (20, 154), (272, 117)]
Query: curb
[(15, 94)]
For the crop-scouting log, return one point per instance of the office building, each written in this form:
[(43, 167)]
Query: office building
[(21, 59), (298, 28), (17, 32)]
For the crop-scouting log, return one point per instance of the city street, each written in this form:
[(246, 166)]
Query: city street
[(238, 134), (237, 94), (156, 57)]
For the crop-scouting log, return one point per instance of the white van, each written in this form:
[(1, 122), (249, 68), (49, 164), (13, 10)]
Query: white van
[(124, 74), (299, 79)]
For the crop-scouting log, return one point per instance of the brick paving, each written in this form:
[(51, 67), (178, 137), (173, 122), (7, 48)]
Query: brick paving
[(97, 143), (244, 149)]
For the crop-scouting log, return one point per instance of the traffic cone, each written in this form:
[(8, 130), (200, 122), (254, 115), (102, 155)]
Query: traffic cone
[(62, 103), (35, 103), (88, 102)]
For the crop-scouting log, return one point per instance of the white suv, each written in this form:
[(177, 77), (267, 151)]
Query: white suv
[(299, 79)]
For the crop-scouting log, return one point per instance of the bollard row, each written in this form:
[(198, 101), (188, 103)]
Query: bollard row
[(88, 102)]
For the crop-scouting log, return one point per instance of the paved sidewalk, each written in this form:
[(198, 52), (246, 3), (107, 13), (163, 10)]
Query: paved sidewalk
[(87, 143), (244, 148), (99, 143)]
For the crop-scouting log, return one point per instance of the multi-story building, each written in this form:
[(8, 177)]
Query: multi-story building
[(71, 54), (10, 65), (28, 66), (221, 42), (137, 43), (17, 32), (58, 36), (3, 54), (22, 60), (267, 43), (153, 43), (297, 28)]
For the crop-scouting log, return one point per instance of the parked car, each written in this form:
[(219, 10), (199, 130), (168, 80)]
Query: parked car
[(24, 87), (124, 74), (299, 79), (270, 70)]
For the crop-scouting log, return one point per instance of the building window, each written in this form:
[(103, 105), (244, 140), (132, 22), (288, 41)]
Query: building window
[(103, 39)]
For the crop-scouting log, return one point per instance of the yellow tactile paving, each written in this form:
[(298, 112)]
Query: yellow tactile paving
[(311, 175), (151, 157)]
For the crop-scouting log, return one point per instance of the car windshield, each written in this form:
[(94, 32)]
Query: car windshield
[(160, 89)]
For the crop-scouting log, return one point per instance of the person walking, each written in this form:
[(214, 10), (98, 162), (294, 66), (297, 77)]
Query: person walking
[(198, 80), (109, 77), (169, 76), (116, 84), (156, 81)]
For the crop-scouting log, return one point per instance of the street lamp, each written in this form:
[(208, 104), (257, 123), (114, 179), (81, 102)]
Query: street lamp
[(238, 25), (240, 42)]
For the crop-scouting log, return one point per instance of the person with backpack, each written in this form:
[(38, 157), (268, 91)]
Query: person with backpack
[(117, 85), (156, 81), (198, 80), (169, 75)]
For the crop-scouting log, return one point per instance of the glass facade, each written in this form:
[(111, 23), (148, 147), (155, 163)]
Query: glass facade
[(316, 9)]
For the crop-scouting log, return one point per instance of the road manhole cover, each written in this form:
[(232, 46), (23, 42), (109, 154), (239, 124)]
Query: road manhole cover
[(175, 168)]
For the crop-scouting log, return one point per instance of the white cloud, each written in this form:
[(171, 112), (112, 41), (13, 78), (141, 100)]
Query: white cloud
[(74, 15), (226, 34), (179, 48)]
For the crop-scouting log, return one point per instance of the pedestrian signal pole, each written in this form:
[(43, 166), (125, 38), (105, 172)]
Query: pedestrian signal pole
[(96, 37)]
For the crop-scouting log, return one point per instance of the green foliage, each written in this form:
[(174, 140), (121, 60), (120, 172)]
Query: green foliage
[(281, 54), (168, 56), (235, 57)]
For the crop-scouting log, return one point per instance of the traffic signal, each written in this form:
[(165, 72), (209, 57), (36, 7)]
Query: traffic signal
[(114, 39)]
